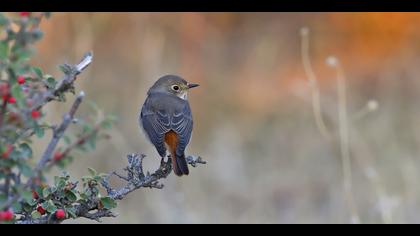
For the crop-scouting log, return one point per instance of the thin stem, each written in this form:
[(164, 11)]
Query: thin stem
[(3, 113), (313, 82), (344, 142)]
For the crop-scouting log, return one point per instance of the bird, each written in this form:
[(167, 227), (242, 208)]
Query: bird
[(167, 120)]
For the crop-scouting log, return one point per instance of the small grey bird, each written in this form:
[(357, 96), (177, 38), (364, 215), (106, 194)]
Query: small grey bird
[(167, 120)]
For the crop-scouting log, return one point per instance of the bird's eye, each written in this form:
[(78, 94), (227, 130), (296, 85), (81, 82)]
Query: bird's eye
[(175, 87)]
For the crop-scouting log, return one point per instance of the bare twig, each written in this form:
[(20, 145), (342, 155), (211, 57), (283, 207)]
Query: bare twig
[(136, 178), (3, 112), (59, 132), (66, 83), (81, 140)]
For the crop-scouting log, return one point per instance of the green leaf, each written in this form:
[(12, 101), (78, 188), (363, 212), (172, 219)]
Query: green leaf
[(44, 205), (51, 82), (59, 182), (71, 195), (23, 54), (39, 132), (26, 150), (71, 211), (35, 215), (61, 97), (92, 171), (17, 207), (46, 192), (65, 68), (26, 170), (38, 72), (26, 195), (4, 50), (84, 196), (97, 178), (32, 202), (18, 95), (51, 208), (108, 203), (53, 189), (27, 207)]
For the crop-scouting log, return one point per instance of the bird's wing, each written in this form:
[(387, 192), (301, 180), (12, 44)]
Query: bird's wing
[(156, 124), (182, 124)]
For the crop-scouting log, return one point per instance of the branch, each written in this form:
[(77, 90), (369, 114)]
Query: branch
[(59, 132), (66, 83), (3, 112), (136, 178), (57, 135), (63, 85)]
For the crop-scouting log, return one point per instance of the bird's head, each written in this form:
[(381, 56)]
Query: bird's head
[(172, 84)]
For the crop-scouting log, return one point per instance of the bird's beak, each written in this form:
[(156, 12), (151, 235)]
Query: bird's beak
[(192, 85)]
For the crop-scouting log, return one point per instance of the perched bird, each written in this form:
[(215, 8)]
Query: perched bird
[(167, 120)]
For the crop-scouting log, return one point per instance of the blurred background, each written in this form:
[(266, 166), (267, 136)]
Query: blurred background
[(268, 162)]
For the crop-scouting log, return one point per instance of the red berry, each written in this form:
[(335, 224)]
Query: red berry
[(6, 215), (24, 14), (60, 214), (6, 153), (35, 195), (11, 100), (21, 79), (57, 156), (41, 210), (35, 114)]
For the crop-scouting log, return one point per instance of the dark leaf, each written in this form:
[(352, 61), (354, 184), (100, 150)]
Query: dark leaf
[(72, 212), (38, 72), (26, 150), (26, 170), (65, 68), (4, 50), (108, 203), (39, 132), (51, 82), (71, 195), (46, 192), (35, 215), (92, 171), (59, 182), (51, 208), (18, 95)]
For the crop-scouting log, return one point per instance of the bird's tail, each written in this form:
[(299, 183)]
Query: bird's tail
[(179, 164)]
